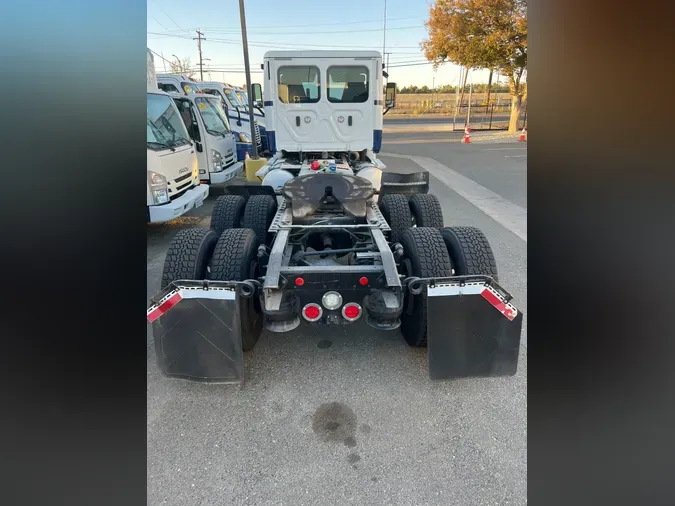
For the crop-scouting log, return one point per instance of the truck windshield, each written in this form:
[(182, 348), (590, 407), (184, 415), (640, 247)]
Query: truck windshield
[(231, 97), (165, 129), (242, 97), (213, 115), (190, 87), (299, 84)]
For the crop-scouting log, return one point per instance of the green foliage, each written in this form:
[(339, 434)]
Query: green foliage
[(488, 34)]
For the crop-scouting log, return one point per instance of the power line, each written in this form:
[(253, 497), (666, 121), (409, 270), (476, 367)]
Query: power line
[(224, 27), (160, 24), (412, 64), (271, 43), (181, 29), (370, 30)]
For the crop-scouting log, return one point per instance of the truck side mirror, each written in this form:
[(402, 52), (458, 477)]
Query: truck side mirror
[(257, 94), (390, 96)]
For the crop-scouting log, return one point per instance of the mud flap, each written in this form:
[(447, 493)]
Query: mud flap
[(197, 332), (406, 184), (472, 330)]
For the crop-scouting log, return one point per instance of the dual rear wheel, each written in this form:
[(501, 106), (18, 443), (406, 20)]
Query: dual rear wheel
[(439, 252), (227, 251), (401, 212)]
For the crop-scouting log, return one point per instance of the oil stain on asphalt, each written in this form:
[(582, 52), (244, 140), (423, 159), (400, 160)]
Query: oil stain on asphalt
[(335, 423)]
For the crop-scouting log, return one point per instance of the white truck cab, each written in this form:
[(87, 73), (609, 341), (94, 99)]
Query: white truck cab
[(238, 115), (173, 186), (176, 83), (209, 128), (324, 106)]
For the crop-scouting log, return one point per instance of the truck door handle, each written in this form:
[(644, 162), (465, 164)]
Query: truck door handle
[(297, 121), (349, 121)]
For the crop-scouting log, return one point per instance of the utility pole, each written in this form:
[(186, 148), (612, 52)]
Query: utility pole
[(384, 41), (199, 39), (249, 91)]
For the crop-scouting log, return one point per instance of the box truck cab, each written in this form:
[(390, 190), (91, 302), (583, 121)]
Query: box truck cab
[(173, 186), (176, 83), (209, 128), (239, 118)]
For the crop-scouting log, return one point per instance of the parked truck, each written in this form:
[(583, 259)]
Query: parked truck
[(209, 128), (173, 185), (237, 113), (331, 239)]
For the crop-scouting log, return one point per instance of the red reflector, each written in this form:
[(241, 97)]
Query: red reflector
[(505, 309), (299, 281), (363, 281), (155, 313), (351, 311), (312, 312)]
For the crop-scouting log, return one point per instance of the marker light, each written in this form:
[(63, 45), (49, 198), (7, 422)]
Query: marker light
[(363, 281), (299, 281)]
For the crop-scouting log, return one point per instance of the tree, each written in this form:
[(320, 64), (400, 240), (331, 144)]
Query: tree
[(489, 34), (183, 68)]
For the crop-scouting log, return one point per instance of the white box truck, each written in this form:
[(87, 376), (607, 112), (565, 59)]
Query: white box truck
[(210, 130), (173, 186)]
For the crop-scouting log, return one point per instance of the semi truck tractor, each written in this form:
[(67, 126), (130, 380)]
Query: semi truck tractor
[(331, 239)]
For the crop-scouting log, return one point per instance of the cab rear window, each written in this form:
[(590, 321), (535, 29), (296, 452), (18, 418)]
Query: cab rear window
[(348, 84), (299, 84)]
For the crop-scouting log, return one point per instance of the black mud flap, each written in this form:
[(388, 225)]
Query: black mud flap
[(472, 330), (196, 329), (406, 184)]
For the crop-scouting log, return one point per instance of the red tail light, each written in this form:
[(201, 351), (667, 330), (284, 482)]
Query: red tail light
[(312, 312), (351, 311)]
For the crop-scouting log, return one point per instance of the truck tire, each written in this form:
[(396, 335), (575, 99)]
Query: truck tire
[(188, 255), (234, 259), (396, 211), (425, 254), (258, 215), (469, 251), (426, 210), (228, 212)]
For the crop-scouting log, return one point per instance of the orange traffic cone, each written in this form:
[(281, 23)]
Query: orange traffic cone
[(467, 135), (523, 135)]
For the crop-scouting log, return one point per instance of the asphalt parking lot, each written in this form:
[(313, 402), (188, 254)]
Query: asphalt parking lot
[(401, 439)]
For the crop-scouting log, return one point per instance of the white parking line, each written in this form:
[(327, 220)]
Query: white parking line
[(514, 156), (507, 214)]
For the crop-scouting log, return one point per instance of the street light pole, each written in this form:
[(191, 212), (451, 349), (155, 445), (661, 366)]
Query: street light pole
[(244, 39)]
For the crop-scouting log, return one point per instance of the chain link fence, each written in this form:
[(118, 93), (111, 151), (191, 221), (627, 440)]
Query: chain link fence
[(477, 113)]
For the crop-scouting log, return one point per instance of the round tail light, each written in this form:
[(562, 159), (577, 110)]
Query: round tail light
[(312, 312), (351, 311)]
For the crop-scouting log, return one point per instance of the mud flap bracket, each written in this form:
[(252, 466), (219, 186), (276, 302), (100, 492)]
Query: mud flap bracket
[(472, 329)]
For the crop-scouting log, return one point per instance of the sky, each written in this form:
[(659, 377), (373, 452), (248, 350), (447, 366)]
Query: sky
[(295, 24)]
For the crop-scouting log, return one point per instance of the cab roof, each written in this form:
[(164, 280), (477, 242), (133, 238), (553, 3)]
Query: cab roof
[(323, 54)]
